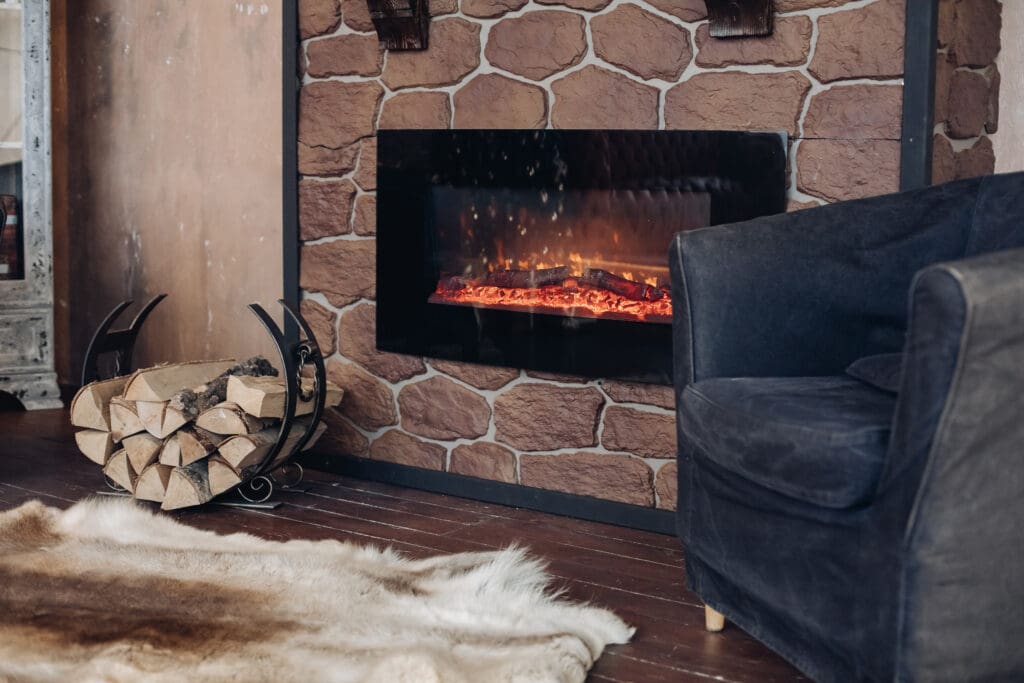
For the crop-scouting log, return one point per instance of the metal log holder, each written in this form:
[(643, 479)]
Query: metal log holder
[(296, 355)]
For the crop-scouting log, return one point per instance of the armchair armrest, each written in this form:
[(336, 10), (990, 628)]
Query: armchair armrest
[(806, 293), (956, 463)]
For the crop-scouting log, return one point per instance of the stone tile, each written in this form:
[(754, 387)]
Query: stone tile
[(721, 101), (454, 52), (864, 42), (416, 110), (480, 376), (356, 15), (368, 402), (666, 485), (943, 160), (651, 435), (637, 392), (366, 171), (598, 98), (536, 416), (625, 36), (441, 409), (364, 222), (324, 324), (357, 341), (342, 436), (837, 170), (855, 112), (612, 477), (967, 110), (324, 161), (944, 67), (321, 104), (489, 9), (976, 32), (557, 377), (346, 55), (494, 101), (589, 5), (439, 8), (398, 447), (344, 270), (687, 10), (325, 208), (537, 44), (797, 5), (978, 159), (485, 461), (317, 17), (994, 82)]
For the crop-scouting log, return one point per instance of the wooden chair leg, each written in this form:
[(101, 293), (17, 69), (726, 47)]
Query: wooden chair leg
[(713, 621)]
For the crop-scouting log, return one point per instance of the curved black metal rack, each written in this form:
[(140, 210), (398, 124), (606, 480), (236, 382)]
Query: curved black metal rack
[(296, 354)]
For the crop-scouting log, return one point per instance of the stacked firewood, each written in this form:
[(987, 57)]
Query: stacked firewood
[(181, 434)]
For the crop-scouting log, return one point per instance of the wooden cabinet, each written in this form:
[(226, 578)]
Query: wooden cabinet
[(26, 300)]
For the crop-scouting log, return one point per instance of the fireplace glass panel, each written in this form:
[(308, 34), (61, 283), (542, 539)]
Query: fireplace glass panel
[(548, 249), (591, 253)]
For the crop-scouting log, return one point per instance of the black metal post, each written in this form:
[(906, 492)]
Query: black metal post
[(919, 48), (290, 161)]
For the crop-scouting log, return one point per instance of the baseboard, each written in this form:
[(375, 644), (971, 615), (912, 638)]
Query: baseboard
[(513, 495)]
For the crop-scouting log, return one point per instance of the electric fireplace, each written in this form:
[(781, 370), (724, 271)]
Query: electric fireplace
[(547, 250)]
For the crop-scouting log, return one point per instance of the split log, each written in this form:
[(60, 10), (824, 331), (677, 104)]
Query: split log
[(171, 453), (196, 443), (143, 449), (228, 418), (514, 279), (164, 381), (637, 291), (159, 418), (119, 471), (152, 483), (95, 445), (187, 486), (245, 454), (91, 406), (124, 419), (222, 476), (264, 396)]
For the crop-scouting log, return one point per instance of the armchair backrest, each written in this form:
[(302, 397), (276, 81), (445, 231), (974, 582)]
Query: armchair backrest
[(998, 221)]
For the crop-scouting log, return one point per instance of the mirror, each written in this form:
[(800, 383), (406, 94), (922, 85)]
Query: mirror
[(11, 69)]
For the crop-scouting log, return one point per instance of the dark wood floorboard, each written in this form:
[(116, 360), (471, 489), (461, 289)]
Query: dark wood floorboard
[(637, 574)]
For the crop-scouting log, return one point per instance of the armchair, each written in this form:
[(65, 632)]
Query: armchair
[(863, 534)]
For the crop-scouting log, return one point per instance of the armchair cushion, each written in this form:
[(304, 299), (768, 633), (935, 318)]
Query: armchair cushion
[(881, 371), (821, 440)]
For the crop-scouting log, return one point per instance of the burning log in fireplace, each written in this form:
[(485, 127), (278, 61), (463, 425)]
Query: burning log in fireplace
[(594, 293)]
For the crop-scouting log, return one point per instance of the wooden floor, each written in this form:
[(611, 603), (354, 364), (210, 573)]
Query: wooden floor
[(637, 574)]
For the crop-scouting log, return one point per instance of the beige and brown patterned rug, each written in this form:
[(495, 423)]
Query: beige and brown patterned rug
[(108, 591)]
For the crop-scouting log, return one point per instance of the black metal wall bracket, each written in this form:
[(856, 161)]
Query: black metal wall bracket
[(737, 18), (400, 24)]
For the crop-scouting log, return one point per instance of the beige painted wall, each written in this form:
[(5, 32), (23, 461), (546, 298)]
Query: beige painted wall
[(1009, 140), (172, 126)]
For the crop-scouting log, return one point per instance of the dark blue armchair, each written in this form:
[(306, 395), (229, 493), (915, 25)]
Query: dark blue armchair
[(864, 521)]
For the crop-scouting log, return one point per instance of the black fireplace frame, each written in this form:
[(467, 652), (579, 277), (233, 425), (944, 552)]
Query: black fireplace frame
[(743, 174)]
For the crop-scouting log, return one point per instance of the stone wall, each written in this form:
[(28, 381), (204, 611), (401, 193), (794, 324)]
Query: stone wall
[(830, 76), (966, 88)]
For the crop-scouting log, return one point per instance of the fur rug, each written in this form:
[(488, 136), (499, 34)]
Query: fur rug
[(108, 591)]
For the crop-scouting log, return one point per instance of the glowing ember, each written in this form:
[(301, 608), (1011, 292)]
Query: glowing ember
[(570, 298)]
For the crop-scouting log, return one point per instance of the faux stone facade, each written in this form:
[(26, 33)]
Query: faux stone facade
[(831, 76), (966, 89)]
